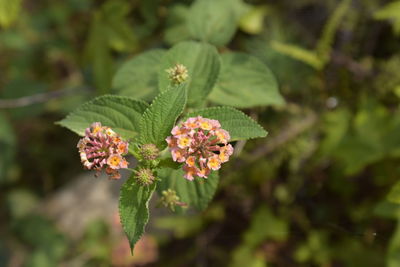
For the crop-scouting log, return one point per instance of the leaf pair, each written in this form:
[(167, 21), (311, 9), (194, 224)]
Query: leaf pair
[(124, 115)]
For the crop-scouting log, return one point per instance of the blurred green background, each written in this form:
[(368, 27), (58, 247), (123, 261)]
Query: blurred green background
[(322, 189)]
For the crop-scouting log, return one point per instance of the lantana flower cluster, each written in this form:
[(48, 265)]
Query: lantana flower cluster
[(100, 148), (201, 144)]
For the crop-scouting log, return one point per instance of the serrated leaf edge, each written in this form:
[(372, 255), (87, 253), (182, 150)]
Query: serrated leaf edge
[(90, 102), (132, 245), (145, 113)]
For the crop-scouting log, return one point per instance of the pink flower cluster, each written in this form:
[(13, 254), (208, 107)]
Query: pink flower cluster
[(102, 147), (196, 142)]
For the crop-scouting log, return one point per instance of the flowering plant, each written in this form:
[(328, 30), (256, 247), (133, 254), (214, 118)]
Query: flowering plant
[(164, 113)]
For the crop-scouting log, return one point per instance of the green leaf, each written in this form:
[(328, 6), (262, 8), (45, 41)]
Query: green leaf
[(245, 82), (176, 25), (121, 113), (213, 21), (203, 64), (196, 194), (134, 209), (394, 194), (169, 163), (9, 10), (117, 27), (160, 117), (252, 21), (138, 76), (239, 125)]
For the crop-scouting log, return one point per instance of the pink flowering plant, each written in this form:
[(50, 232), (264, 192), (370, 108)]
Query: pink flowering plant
[(170, 125)]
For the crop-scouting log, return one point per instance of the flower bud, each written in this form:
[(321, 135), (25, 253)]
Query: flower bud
[(169, 199), (178, 74), (149, 152), (144, 176)]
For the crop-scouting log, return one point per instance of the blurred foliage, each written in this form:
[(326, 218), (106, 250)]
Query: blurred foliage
[(109, 30), (9, 11), (321, 190), (390, 12)]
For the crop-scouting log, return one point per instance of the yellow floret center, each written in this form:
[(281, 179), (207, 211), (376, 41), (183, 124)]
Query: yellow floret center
[(185, 141), (96, 129), (205, 125), (221, 136), (213, 162), (115, 161), (223, 156), (190, 161), (203, 171), (110, 132), (121, 148)]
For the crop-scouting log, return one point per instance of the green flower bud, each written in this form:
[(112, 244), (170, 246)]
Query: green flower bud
[(169, 199), (178, 74), (144, 176), (149, 152)]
